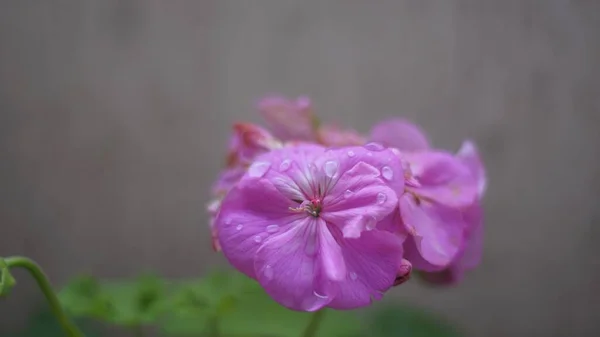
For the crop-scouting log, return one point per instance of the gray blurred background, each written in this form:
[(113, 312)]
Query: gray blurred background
[(114, 117)]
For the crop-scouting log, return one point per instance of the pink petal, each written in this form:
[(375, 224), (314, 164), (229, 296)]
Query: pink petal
[(443, 178), (249, 214), (248, 141), (363, 186), (359, 200), (372, 262), (401, 134), (334, 136), (437, 231), (287, 266), (469, 155), (290, 171), (288, 119)]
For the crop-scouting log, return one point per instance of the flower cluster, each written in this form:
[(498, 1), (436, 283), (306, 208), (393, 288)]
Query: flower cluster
[(326, 217)]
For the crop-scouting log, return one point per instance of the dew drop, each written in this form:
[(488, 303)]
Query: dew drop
[(331, 168), (381, 198), (351, 154), (239, 227), (353, 276), (348, 194), (257, 239), (371, 223), (228, 222), (285, 165), (258, 169), (268, 272), (272, 228), (387, 172), (319, 295), (374, 147), (370, 154)]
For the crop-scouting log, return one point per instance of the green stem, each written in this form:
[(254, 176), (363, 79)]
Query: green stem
[(313, 324), (213, 327), (17, 261)]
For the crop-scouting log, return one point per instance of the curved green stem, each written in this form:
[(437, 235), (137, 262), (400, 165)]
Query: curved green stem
[(17, 261), (313, 324)]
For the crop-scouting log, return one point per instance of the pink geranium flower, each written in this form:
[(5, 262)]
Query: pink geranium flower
[(304, 221), (470, 254), (439, 189)]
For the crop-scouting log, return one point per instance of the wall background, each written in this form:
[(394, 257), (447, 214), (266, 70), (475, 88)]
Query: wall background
[(114, 116)]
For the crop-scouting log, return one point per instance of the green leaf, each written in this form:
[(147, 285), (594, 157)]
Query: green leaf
[(238, 306), (83, 297), (257, 314), (196, 304), (400, 320), (44, 324), (126, 303)]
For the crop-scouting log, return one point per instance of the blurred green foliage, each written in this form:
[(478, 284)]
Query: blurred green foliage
[(224, 304)]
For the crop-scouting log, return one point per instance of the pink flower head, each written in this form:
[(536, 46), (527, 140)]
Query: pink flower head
[(304, 221), (432, 207), (439, 187), (289, 119), (471, 252)]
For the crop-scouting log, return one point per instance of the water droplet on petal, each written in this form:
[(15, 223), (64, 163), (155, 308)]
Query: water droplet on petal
[(257, 239), (268, 272), (374, 147), (351, 154), (331, 168), (387, 172), (371, 223), (228, 222), (285, 165), (239, 227), (370, 154), (353, 276), (319, 295), (258, 169), (381, 198), (348, 194), (272, 228)]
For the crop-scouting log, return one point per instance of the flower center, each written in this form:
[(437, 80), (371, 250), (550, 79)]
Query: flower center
[(312, 207)]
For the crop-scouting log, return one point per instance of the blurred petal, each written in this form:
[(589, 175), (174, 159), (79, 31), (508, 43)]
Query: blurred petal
[(401, 134), (248, 141), (443, 178), (288, 119), (437, 231), (334, 136), (469, 155)]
